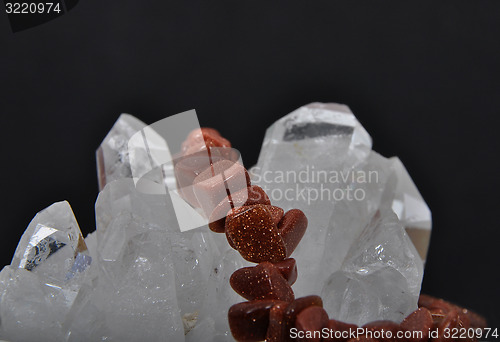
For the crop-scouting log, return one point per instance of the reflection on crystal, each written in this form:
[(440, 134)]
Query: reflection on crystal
[(112, 155), (52, 245), (82, 261), (41, 246), (311, 130)]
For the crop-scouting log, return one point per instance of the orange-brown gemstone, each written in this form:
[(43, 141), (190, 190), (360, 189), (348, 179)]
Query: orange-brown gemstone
[(276, 329), (249, 321), (311, 321), (292, 227), (212, 185), (201, 139), (383, 327), (263, 281), (251, 195), (339, 331), (448, 323), (439, 309), (296, 307), (288, 268), (418, 320), (254, 234)]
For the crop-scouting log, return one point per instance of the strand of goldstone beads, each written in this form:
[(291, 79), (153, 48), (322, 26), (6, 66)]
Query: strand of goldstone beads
[(264, 234)]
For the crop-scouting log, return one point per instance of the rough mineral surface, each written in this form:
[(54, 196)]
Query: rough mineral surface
[(138, 277)]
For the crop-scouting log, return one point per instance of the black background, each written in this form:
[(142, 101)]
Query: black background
[(423, 77)]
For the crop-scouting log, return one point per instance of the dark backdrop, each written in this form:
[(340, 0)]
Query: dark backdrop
[(423, 77)]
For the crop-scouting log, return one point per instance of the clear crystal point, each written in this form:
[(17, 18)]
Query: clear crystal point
[(380, 277), (112, 156), (316, 159), (298, 134), (53, 246)]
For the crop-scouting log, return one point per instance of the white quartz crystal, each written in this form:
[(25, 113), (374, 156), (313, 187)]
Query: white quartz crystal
[(140, 277), (40, 286), (319, 159), (113, 161), (379, 278)]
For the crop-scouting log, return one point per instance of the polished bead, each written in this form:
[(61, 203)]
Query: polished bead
[(249, 321), (201, 139), (213, 185), (254, 234), (448, 323), (419, 320), (249, 196), (439, 308), (263, 281), (288, 268), (292, 227), (339, 331), (312, 319), (276, 329), (276, 213), (295, 308), (382, 328)]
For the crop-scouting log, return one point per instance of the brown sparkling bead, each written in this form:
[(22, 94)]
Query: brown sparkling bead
[(439, 308), (419, 320), (449, 322), (288, 268), (263, 281), (292, 227), (311, 321), (212, 185), (197, 136), (251, 195), (476, 321), (187, 168), (249, 321), (294, 309), (432, 303), (343, 330), (201, 139), (276, 213), (229, 239), (383, 327), (276, 328), (254, 234), (437, 316)]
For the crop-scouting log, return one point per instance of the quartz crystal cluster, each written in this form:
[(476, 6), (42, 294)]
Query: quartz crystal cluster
[(138, 277)]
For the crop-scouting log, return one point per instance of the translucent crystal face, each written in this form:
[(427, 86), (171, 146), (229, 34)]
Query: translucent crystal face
[(112, 156), (299, 133), (411, 209), (52, 246), (319, 159), (379, 278)]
